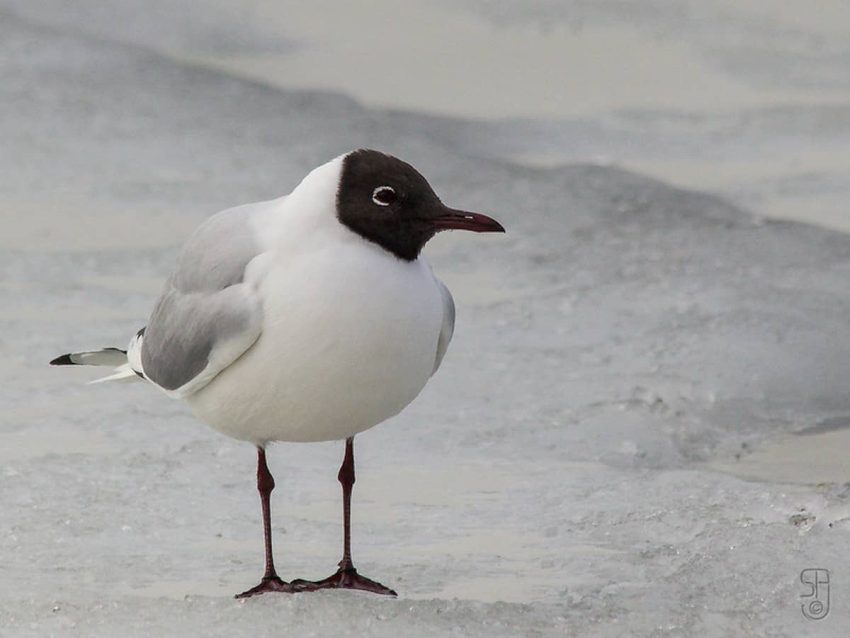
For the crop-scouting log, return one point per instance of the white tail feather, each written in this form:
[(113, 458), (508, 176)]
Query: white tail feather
[(122, 373), (119, 360)]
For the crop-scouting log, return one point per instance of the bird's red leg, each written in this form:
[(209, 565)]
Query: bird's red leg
[(270, 581), (346, 577)]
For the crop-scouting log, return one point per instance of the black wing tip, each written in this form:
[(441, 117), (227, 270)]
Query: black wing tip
[(64, 360)]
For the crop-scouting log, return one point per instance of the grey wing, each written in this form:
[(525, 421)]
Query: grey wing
[(208, 315), (448, 328)]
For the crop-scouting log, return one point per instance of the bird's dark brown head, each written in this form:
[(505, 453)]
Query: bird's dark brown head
[(388, 202)]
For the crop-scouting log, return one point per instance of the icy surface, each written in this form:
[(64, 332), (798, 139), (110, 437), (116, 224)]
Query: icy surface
[(570, 470)]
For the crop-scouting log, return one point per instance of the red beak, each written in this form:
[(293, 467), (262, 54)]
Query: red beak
[(462, 220)]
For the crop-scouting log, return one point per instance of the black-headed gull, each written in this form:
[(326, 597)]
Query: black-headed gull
[(311, 317)]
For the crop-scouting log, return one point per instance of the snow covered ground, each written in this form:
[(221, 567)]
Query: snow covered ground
[(640, 429)]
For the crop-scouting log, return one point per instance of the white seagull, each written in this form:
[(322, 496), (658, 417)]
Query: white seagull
[(311, 317)]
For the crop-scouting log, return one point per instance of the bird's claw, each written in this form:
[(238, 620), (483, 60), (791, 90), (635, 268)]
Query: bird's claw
[(344, 578), (269, 584)]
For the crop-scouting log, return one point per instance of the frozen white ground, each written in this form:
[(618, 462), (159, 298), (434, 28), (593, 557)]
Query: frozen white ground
[(611, 447)]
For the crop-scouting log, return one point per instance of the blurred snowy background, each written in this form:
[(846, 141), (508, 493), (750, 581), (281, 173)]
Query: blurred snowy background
[(642, 427)]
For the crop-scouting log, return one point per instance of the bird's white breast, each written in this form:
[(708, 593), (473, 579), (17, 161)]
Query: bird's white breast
[(349, 338)]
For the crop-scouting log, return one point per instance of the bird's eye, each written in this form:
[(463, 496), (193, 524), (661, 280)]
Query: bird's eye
[(384, 195)]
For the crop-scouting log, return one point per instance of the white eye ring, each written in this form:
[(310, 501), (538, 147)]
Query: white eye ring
[(380, 190)]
